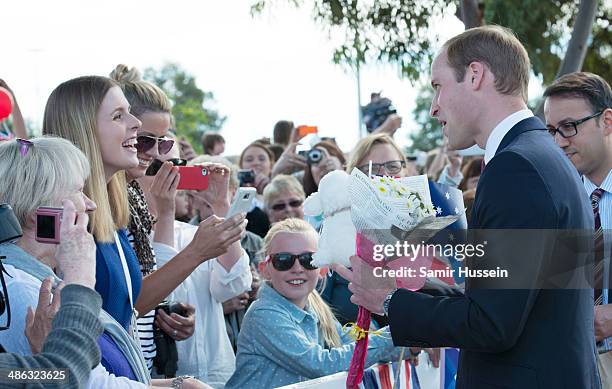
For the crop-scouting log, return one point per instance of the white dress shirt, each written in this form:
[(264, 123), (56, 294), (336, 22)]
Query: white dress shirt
[(502, 128), (208, 354)]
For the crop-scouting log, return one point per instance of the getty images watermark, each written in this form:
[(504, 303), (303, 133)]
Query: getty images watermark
[(412, 252)]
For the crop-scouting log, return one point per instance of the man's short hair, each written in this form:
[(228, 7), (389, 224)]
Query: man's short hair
[(282, 132), (209, 140), (499, 49), (591, 87)]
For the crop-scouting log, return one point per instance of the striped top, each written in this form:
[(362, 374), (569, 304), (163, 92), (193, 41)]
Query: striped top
[(605, 214), (145, 327)]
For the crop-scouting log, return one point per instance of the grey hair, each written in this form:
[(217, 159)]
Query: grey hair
[(51, 168), (282, 183)]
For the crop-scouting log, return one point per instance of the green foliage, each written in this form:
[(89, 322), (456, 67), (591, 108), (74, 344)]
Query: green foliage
[(193, 117), (429, 133), (600, 48)]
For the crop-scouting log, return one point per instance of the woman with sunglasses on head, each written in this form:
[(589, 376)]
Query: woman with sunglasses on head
[(152, 107), (284, 198), (289, 333), (94, 114)]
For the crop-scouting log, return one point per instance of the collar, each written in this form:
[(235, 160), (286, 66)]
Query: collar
[(501, 130), (606, 185), (18, 258), (297, 314)]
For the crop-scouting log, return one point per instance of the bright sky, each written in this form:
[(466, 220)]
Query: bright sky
[(263, 69)]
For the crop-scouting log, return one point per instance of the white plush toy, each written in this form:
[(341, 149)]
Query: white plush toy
[(337, 242)]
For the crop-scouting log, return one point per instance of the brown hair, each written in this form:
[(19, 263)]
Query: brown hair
[(471, 169), (309, 184), (327, 320), (499, 49), (282, 132), (262, 146), (591, 87), (71, 113), (209, 140)]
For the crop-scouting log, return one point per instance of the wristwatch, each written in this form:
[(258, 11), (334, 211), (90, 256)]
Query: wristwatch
[(387, 301)]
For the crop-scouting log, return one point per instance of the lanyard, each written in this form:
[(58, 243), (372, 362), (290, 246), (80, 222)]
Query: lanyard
[(128, 281)]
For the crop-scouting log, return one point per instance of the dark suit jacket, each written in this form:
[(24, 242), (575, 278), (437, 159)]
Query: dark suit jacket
[(513, 338)]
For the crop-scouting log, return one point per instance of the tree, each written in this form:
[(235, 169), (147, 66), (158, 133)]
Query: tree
[(192, 113), (403, 31), (429, 132)]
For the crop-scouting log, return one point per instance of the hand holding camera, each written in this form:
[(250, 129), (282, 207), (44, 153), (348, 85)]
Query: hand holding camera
[(176, 319), (289, 162), (76, 253)]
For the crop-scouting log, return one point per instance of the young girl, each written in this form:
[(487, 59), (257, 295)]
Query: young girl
[(290, 334)]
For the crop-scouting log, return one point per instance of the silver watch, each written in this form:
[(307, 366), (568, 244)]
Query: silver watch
[(387, 301)]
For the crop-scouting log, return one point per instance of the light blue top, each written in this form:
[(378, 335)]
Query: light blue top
[(280, 344)]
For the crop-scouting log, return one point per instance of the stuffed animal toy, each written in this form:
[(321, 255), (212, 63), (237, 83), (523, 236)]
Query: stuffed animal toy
[(337, 242)]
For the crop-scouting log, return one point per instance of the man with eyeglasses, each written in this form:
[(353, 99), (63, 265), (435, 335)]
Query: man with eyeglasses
[(578, 110)]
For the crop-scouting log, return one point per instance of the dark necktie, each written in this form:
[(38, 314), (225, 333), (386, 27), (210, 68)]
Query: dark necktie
[(599, 246)]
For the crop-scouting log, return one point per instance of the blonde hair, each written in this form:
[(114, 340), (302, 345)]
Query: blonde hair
[(365, 145), (327, 320), (233, 179), (282, 183), (51, 168), (71, 113), (499, 49), (142, 95)]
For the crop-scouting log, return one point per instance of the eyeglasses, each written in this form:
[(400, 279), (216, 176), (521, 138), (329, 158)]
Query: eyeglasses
[(569, 129), (147, 142), (391, 167), (285, 261), (292, 204)]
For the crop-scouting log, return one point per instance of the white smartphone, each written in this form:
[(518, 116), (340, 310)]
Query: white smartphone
[(243, 201)]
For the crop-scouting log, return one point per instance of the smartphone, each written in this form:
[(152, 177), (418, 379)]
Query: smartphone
[(48, 221), (156, 165), (246, 176), (243, 201), (193, 178), (305, 130)]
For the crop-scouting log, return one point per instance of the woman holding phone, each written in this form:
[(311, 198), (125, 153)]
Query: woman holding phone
[(93, 113)]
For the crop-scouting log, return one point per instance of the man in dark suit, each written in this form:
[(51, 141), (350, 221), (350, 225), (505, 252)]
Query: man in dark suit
[(509, 338)]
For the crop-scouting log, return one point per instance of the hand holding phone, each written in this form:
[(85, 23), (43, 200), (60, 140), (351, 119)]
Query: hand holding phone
[(243, 201)]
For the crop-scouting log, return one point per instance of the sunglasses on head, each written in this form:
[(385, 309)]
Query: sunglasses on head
[(285, 261), (282, 206), (147, 142)]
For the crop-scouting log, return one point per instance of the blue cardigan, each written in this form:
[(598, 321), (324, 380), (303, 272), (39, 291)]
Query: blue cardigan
[(110, 281)]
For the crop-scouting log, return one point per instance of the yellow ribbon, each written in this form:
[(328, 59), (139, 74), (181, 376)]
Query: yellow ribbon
[(357, 333)]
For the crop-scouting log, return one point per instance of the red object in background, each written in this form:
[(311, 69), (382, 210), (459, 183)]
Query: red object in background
[(6, 103)]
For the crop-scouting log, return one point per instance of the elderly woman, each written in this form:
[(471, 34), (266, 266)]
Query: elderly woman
[(43, 172), (284, 198)]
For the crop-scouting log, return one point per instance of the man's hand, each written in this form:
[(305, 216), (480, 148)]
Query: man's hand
[(215, 235), (368, 291), (236, 303), (603, 321), (38, 324), (177, 326), (76, 253), (289, 162)]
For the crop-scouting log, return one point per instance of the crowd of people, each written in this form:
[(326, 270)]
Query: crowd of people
[(165, 289)]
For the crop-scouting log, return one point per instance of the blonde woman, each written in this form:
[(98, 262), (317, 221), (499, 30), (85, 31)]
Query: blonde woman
[(289, 333), (94, 114)]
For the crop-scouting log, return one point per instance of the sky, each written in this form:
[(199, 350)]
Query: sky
[(261, 69)]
